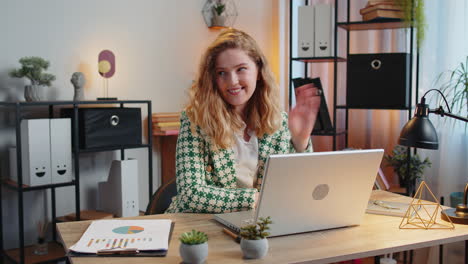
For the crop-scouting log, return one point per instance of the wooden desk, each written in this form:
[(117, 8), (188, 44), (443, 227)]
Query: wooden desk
[(376, 235)]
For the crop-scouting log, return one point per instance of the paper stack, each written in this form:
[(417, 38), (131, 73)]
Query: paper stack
[(166, 123), (378, 9), (142, 235)]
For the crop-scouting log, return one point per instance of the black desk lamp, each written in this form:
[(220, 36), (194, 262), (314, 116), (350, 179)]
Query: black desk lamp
[(420, 133)]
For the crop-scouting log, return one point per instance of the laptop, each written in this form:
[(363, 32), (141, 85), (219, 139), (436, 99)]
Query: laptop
[(305, 192)]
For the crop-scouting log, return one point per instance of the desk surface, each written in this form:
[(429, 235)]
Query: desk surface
[(377, 235)]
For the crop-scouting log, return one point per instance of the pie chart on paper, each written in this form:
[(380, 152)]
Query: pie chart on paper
[(128, 230)]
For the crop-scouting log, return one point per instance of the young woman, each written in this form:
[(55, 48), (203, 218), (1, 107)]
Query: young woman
[(231, 125)]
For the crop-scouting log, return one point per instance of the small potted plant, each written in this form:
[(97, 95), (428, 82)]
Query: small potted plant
[(218, 9), (194, 247), (254, 244), (399, 161), (32, 68)]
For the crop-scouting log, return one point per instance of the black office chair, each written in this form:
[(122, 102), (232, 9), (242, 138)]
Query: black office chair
[(162, 198)]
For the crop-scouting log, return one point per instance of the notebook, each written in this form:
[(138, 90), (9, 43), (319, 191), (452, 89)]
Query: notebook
[(312, 191)]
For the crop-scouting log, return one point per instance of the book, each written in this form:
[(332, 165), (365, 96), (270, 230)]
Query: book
[(387, 208), (382, 14), (166, 117), (166, 133), (167, 124), (157, 128), (379, 7), (379, 2)]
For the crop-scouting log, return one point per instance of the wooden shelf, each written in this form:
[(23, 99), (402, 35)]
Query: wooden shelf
[(372, 25), (56, 253), (85, 215)]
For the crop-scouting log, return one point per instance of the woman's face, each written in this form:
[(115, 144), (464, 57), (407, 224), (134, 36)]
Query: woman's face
[(236, 78)]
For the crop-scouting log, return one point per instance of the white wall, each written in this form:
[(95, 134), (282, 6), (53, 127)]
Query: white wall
[(157, 44)]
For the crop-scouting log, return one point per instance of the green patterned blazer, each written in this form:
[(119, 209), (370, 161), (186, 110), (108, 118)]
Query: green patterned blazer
[(206, 178)]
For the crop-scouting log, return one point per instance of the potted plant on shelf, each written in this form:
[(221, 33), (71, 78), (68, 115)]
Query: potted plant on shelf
[(32, 68), (413, 13), (194, 247), (254, 243), (218, 18), (399, 161)]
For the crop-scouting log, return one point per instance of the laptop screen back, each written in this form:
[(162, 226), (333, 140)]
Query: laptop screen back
[(314, 191)]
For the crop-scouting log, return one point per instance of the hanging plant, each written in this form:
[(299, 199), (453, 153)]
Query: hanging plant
[(413, 11)]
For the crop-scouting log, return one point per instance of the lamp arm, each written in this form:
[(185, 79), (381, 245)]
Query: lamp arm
[(423, 99), (440, 111)]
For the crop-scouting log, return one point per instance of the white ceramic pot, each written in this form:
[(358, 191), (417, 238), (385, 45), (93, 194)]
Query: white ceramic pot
[(194, 254), (219, 21), (254, 249), (32, 93)]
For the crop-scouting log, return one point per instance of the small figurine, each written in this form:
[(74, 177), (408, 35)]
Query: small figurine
[(78, 80)]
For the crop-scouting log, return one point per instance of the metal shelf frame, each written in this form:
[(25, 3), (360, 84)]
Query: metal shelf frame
[(19, 108), (349, 26)]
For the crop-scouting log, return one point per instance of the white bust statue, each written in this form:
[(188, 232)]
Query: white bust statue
[(78, 80)]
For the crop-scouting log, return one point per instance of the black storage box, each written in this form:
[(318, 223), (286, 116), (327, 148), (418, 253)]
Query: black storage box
[(107, 127), (378, 81)]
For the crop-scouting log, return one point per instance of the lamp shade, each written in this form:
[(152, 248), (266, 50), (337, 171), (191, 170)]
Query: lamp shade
[(419, 131)]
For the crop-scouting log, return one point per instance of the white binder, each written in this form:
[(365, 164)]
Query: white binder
[(324, 30), (60, 150), (305, 33), (35, 152)]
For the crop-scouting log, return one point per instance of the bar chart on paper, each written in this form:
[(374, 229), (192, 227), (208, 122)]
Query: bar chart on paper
[(122, 234)]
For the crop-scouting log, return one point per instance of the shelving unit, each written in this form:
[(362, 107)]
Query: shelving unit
[(348, 26), (23, 254)]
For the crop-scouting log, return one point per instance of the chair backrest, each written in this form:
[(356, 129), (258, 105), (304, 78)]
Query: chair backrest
[(162, 198)]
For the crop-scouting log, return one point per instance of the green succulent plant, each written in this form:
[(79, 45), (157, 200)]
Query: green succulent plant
[(256, 231), (32, 68), (399, 161), (193, 237), (219, 7)]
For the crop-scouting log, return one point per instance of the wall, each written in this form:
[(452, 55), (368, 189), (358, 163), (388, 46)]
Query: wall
[(157, 46)]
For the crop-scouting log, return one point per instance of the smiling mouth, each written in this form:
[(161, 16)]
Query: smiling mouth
[(235, 91)]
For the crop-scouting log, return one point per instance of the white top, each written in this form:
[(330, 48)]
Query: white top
[(246, 156)]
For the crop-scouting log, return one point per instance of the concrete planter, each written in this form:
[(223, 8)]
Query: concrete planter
[(194, 254), (32, 93), (254, 249)]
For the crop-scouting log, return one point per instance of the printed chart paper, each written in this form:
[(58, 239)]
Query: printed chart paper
[(151, 234)]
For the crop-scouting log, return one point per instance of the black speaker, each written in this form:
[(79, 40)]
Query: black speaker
[(107, 127), (378, 81), (323, 122)]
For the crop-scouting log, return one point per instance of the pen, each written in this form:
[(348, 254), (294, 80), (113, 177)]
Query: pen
[(235, 236), (127, 251)]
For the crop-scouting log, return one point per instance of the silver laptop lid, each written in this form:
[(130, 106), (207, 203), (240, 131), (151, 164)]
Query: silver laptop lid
[(314, 191)]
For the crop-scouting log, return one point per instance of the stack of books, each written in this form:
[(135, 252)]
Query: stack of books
[(381, 9), (166, 123)]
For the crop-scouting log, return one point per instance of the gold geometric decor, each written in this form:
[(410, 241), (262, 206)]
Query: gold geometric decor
[(423, 214)]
